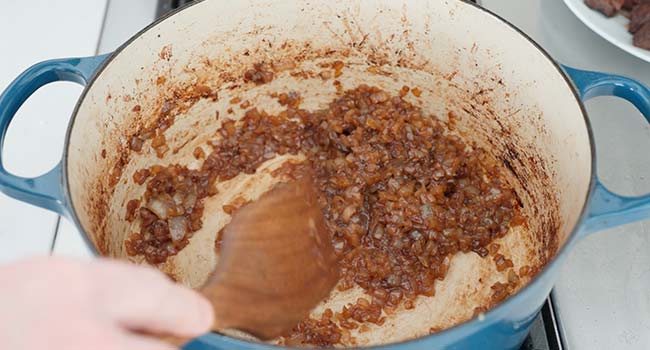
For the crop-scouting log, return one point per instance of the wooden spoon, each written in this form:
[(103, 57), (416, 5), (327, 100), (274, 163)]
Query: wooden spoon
[(276, 263)]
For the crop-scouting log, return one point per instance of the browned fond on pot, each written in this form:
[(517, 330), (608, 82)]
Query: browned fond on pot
[(476, 104)]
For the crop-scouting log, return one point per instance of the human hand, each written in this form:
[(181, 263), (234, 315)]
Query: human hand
[(64, 304)]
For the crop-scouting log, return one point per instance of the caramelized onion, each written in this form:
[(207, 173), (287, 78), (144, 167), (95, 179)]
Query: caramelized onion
[(399, 193)]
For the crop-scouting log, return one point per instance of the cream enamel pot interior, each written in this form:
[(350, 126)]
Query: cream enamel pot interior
[(505, 93)]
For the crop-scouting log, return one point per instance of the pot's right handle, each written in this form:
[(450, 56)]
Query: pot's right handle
[(606, 208), (45, 191)]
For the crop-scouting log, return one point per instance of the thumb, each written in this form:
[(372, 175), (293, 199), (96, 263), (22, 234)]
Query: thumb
[(145, 300)]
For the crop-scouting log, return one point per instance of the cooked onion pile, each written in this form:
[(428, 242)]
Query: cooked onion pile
[(399, 194)]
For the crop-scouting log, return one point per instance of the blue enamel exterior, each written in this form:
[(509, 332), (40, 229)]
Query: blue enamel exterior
[(608, 209), (47, 190), (503, 327)]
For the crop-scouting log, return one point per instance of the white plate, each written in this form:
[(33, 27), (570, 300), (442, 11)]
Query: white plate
[(613, 29)]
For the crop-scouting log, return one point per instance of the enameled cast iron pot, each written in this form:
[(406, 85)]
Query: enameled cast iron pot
[(489, 82)]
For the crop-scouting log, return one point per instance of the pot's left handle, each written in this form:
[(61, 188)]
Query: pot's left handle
[(606, 208), (45, 191)]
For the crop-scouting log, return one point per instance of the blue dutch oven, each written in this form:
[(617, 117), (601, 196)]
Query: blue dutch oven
[(531, 116)]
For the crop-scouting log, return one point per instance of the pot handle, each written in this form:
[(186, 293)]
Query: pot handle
[(45, 191), (606, 208)]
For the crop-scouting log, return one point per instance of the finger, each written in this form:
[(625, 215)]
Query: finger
[(144, 299), (171, 310)]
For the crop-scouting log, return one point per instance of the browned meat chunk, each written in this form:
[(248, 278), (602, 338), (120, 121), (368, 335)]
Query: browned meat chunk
[(629, 4), (642, 37), (607, 7), (640, 15)]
